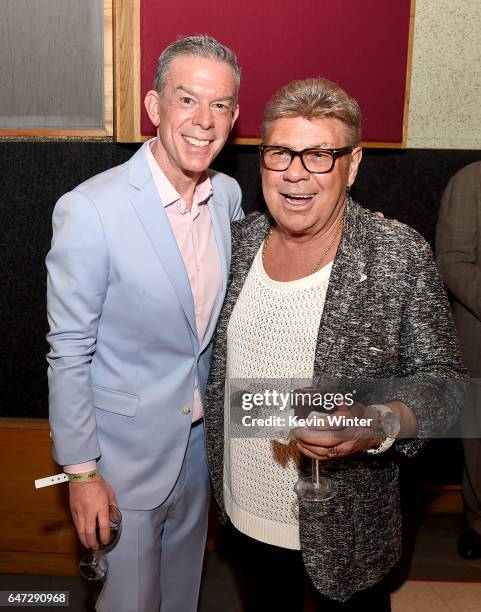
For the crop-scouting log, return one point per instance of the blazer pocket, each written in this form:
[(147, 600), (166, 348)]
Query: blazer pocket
[(117, 402)]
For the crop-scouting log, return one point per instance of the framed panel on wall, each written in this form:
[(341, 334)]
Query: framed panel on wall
[(57, 68), (364, 46)]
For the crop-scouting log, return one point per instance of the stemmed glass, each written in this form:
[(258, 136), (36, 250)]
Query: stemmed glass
[(94, 566), (314, 487)]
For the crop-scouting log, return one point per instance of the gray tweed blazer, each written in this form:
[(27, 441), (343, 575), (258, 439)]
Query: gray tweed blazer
[(384, 292)]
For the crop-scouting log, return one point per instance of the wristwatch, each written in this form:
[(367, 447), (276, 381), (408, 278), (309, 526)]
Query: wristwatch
[(389, 427)]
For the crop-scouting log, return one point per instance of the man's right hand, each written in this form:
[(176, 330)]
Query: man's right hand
[(89, 504)]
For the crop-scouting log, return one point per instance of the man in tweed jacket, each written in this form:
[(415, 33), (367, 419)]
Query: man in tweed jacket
[(384, 291)]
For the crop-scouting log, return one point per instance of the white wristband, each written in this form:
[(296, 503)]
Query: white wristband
[(51, 480)]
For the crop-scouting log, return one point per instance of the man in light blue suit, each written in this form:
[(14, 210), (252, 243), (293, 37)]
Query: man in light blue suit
[(136, 278)]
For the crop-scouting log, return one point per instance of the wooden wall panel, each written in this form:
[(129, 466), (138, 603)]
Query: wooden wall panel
[(37, 535), (126, 71)]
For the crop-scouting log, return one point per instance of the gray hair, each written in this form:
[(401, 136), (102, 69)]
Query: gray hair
[(311, 99), (199, 46)]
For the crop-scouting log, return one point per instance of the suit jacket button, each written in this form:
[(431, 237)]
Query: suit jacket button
[(186, 410)]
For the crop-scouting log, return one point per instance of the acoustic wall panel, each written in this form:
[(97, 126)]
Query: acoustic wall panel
[(364, 46), (51, 73)]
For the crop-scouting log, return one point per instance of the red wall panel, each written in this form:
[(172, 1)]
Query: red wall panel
[(362, 45)]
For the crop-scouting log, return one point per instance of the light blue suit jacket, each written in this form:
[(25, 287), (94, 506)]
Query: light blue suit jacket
[(124, 348)]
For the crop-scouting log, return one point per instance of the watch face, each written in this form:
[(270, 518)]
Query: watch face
[(391, 424)]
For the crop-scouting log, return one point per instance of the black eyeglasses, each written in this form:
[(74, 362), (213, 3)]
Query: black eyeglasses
[(316, 161)]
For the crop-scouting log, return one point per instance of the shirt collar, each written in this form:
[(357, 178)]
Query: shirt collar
[(168, 194)]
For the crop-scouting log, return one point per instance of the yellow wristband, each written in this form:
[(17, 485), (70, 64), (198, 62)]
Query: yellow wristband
[(83, 477)]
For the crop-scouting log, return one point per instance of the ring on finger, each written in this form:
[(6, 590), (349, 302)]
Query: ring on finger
[(332, 452)]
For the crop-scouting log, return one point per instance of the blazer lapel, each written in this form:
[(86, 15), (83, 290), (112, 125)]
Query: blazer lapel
[(223, 240), (153, 218), (346, 274), (241, 265)]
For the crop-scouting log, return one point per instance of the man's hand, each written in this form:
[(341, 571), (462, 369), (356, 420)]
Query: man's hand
[(376, 213), (89, 504), (332, 447), (331, 441), (338, 440)]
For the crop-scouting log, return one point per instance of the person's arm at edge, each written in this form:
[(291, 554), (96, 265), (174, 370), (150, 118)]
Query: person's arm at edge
[(457, 238), (75, 290)]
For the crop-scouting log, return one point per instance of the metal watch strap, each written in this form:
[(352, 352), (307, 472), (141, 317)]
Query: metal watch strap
[(383, 447)]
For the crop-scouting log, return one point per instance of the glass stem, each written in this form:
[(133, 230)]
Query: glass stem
[(315, 472), (97, 557)]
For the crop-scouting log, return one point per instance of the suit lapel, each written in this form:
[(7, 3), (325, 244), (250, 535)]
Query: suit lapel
[(223, 240), (342, 290), (247, 247), (153, 218)]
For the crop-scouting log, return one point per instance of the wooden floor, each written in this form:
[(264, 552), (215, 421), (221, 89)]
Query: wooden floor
[(435, 580)]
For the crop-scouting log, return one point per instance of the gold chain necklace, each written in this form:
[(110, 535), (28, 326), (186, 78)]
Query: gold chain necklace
[(323, 256)]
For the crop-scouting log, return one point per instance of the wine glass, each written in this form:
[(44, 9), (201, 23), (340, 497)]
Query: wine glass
[(94, 566), (314, 487)]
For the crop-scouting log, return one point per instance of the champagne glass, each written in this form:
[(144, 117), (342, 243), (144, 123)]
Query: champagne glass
[(314, 487), (94, 566)]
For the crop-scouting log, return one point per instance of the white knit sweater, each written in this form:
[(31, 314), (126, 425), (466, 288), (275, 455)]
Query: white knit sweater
[(272, 333)]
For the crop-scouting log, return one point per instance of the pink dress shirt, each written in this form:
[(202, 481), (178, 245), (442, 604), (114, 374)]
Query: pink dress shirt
[(195, 238)]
